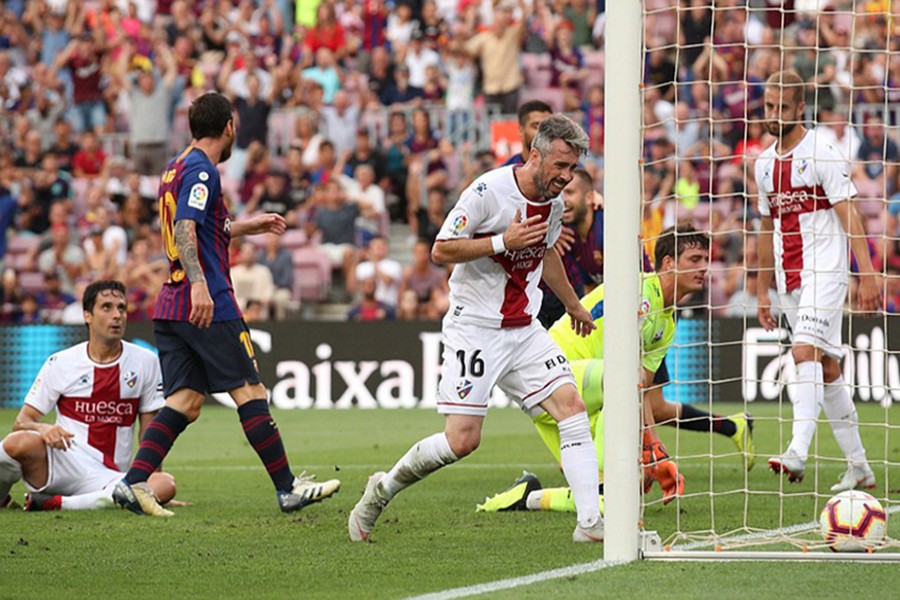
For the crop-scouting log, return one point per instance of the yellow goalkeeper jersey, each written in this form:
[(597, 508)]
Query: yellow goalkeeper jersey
[(657, 327)]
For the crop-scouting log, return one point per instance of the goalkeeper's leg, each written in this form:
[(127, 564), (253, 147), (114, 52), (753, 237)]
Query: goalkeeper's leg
[(589, 381)]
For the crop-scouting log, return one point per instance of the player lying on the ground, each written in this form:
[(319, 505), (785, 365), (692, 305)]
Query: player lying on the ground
[(675, 279), (101, 390)]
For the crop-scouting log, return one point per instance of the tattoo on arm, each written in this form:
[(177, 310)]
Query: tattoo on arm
[(186, 242)]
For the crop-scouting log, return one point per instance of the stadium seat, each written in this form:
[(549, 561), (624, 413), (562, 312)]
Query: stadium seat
[(595, 60), (870, 207), (294, 239), (538, 78), (32, 282), (19, 262), (80, 188), (535, 61), (312, 274), (22, 244), (552, 96), (875, 226)]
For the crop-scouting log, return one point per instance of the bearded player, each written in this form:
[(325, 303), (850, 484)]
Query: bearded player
[(804, 199), (500, 236), (204, 344)]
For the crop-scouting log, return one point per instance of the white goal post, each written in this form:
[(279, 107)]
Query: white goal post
[(621, 231), (627, 539)]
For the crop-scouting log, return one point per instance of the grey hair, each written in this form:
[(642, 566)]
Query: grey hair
[(560, 127)]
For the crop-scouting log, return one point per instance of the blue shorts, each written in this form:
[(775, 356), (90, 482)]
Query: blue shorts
[(216, 359)]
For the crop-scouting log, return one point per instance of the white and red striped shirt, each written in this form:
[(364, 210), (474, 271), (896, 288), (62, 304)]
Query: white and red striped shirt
[(500, 290), (99, 403), (798, 190)]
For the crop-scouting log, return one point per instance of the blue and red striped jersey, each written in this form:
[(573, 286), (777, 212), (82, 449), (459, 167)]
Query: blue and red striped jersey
[(190, 189), (584, 262)]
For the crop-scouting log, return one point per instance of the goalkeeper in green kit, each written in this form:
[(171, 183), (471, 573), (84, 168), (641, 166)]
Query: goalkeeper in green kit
[(682, 258)]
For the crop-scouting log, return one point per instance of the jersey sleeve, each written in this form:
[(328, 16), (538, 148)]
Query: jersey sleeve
[(466, 216), (655, 351), (197, 191), (762, 196), (44, 392), (657, 326), (152, 398), (833, 173)]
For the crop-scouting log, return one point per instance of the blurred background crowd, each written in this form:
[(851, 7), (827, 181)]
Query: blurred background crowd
[(361, 121)]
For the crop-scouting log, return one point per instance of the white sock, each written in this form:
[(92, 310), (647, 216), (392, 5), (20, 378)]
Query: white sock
[(810, 391), (10, 472), (424, 458), (88, 501), (841, 413), (533, 500), (579, 463)]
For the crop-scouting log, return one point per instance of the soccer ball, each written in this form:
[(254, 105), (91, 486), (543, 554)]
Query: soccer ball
[(853, 521)]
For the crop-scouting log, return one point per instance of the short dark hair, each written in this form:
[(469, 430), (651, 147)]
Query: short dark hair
[(677, 239), (93, 290), (209, 115), (583, 174), (532, 106)]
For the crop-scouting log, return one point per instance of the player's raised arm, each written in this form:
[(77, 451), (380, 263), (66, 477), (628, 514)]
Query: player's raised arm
[(201, 302)]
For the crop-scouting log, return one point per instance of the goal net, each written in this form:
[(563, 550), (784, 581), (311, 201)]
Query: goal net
[(703, 127)]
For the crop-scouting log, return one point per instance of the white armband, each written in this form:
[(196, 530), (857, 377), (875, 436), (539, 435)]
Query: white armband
[(498, 244)]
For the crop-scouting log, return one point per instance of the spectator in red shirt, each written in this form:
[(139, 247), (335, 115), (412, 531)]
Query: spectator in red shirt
[(368, 308), (83, 57), (327, 33), (89, 161)]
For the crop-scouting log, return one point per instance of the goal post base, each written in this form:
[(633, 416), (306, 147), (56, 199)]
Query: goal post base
[(650, 542), (721, 556)]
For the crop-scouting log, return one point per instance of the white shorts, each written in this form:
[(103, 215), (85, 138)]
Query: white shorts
[(72, 472), (524, 362), (335, 252), (815, 314)]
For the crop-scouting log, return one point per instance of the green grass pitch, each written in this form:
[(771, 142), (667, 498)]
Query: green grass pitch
[(233, 542)]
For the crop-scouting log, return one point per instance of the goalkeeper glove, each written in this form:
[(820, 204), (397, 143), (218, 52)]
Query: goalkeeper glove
[(660, 466)]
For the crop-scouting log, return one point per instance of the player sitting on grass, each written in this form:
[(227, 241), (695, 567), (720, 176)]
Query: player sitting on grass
[(101, 389), (681, 262)]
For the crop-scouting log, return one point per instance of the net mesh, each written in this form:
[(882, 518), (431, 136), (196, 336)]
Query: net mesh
[(703, 126)]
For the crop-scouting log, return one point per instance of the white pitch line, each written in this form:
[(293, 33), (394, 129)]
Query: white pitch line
[(599, 565), (355, 467), (514, 582)]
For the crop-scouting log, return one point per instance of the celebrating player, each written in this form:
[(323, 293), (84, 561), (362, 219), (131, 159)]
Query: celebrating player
[(101, 390), (804, 193), (204, 344), (501, 234), (682, 255)]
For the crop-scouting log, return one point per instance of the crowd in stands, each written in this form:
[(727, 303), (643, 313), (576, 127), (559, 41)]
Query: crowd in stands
[(356, 114)]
